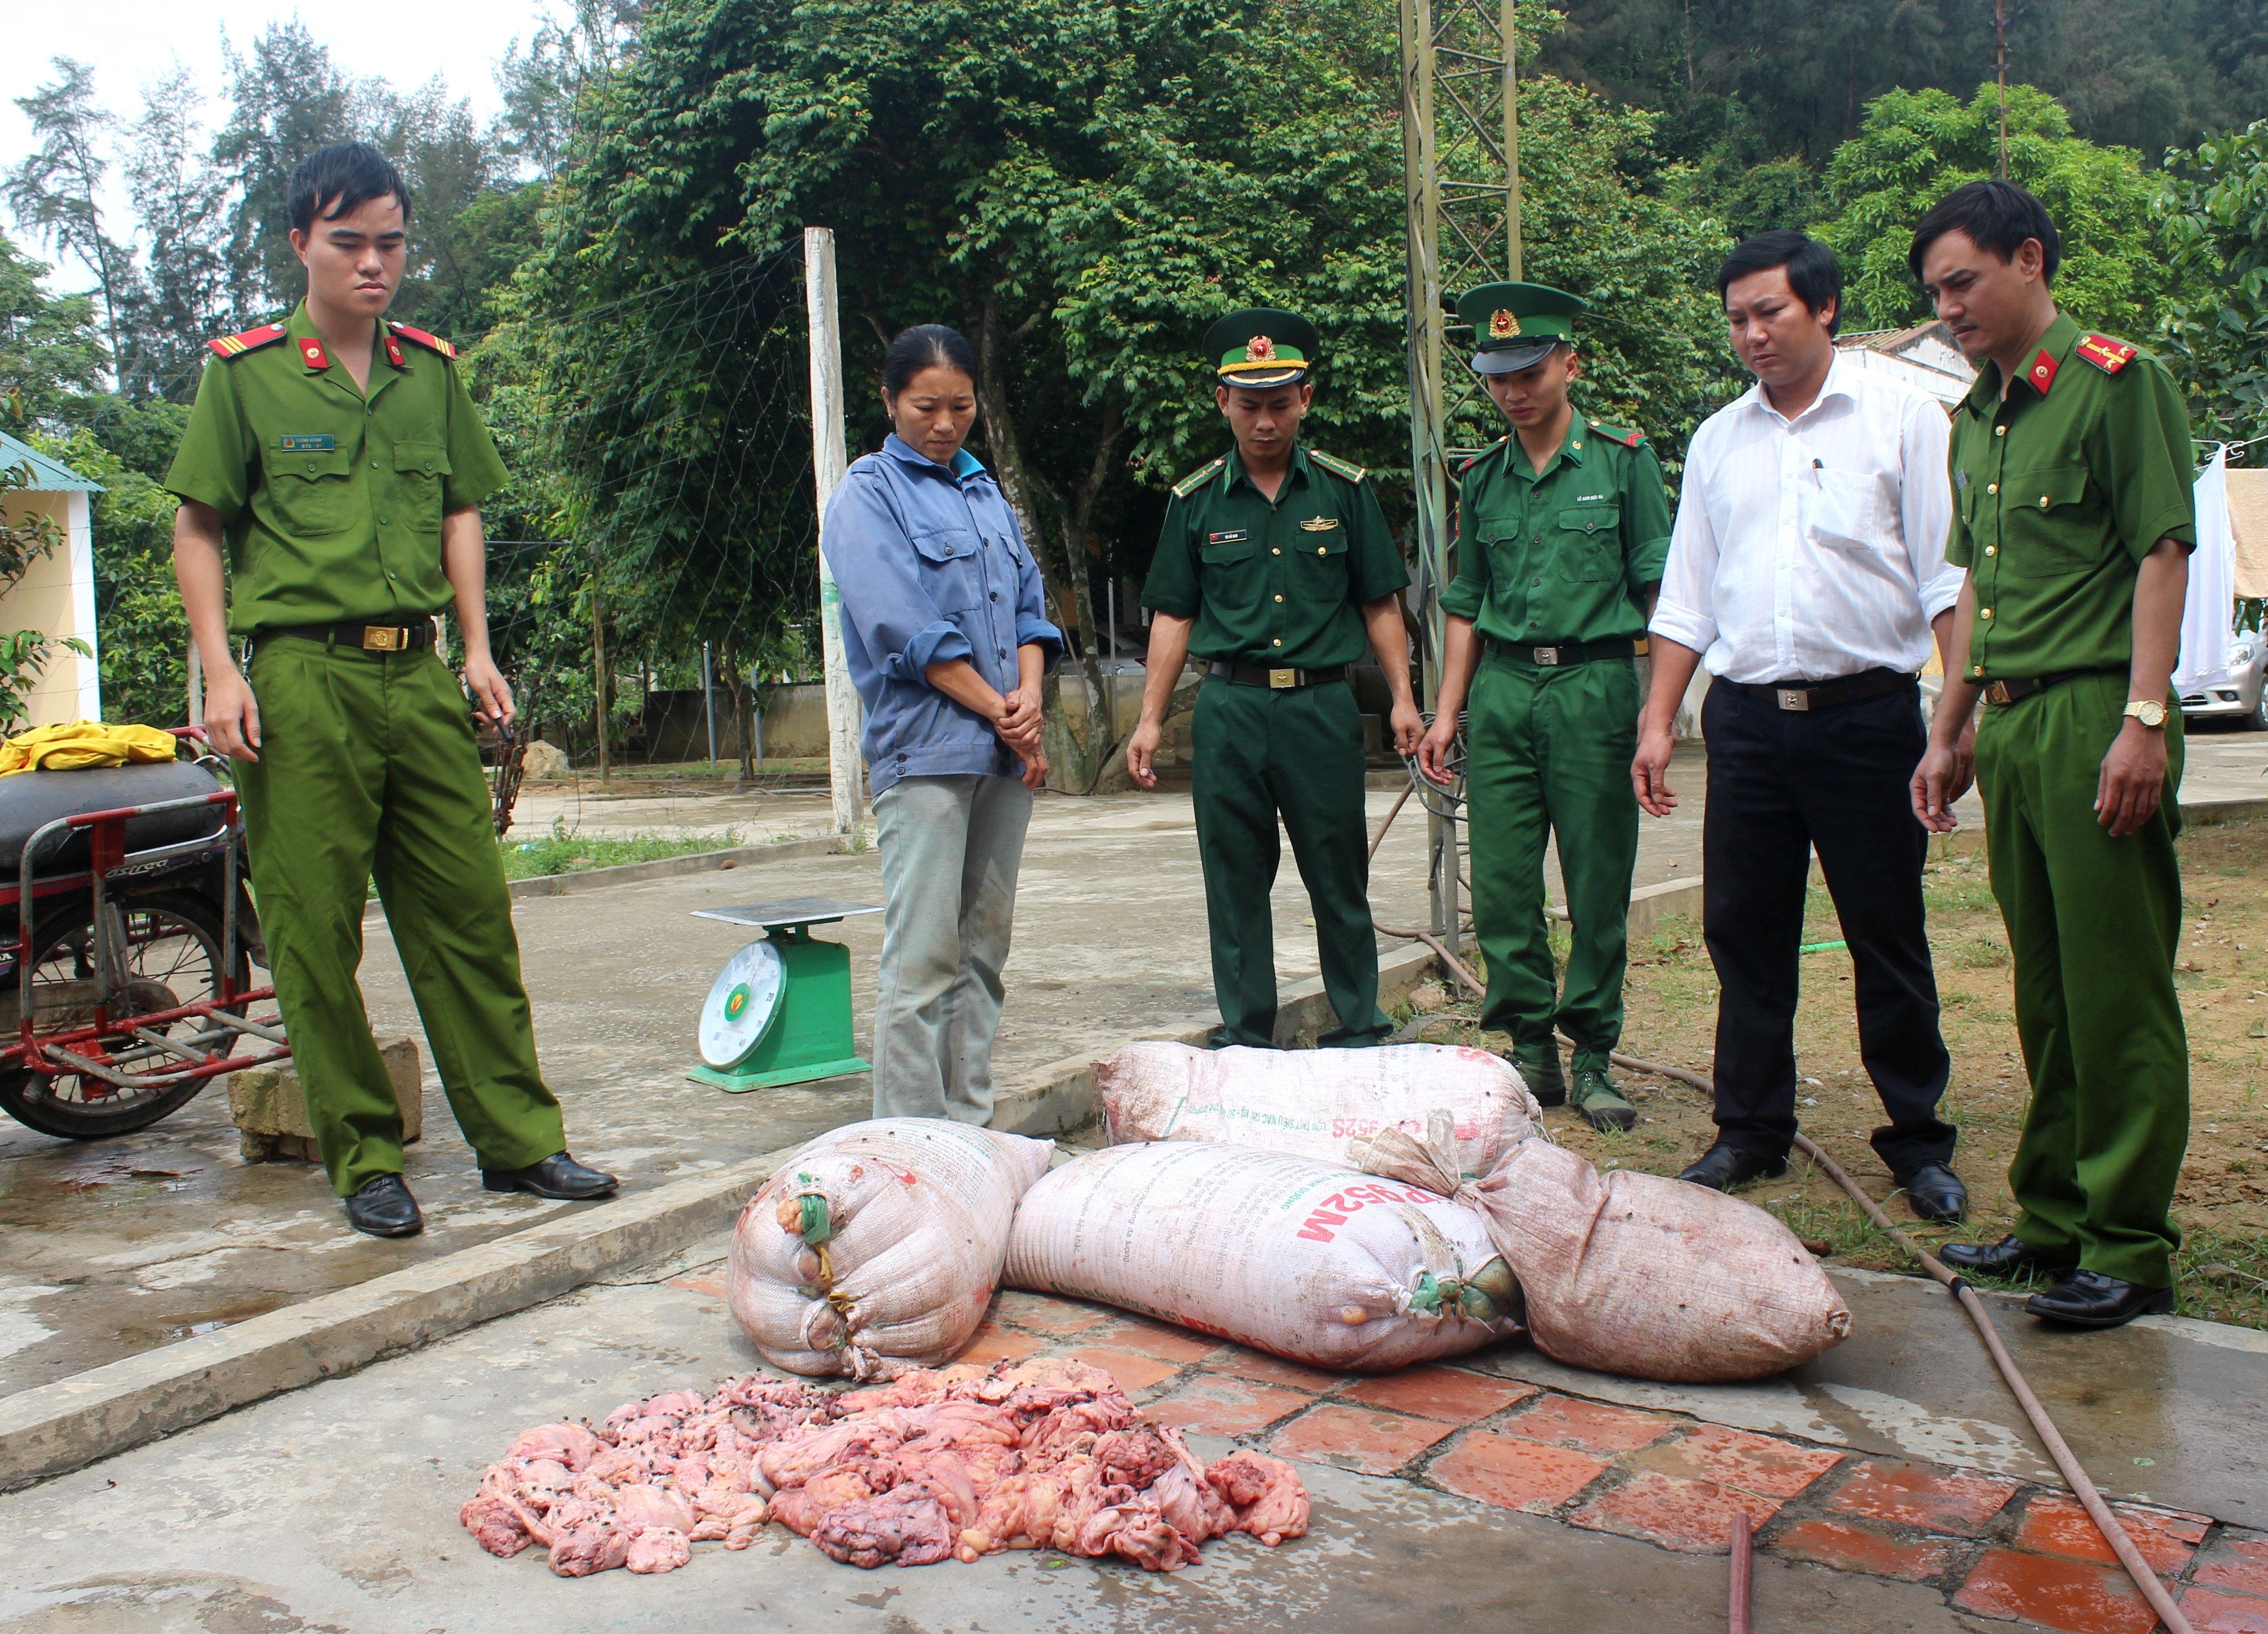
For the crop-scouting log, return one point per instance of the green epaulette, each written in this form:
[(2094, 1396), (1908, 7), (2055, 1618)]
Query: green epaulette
[(1627, 436), (1496, 447), (1198, 478), (1337, 466)]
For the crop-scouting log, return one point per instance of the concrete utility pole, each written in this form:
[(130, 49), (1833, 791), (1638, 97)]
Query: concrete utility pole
[(1461, 159), (846, 776)]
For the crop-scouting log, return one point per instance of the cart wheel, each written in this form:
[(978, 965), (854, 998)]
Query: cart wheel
[(173, 957)]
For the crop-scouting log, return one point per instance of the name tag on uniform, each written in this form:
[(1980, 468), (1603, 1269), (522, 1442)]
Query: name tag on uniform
[(1588, 499), (1235, 536), (307, 444), (1320, 524), (1961, 479)]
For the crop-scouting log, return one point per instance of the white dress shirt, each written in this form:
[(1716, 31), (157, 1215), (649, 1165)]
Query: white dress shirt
[(1812, 547)]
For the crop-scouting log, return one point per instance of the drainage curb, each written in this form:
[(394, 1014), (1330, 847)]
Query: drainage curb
[(664, 867)]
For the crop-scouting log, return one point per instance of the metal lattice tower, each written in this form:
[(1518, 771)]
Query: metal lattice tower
[(1461, 158)]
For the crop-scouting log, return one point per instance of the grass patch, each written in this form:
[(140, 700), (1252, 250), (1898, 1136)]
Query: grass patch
[(1848, 1234), (2222, 1277), (562, 852)]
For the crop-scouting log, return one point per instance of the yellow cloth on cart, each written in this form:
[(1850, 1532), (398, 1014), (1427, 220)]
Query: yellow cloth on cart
[(78, 743)]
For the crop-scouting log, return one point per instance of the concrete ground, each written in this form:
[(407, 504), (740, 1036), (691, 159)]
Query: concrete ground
[(1889, 1495)]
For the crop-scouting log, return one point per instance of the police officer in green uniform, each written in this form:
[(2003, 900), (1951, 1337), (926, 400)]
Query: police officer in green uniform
[(1562, 530), (339, 461), (2073, 513), (1274, 566)]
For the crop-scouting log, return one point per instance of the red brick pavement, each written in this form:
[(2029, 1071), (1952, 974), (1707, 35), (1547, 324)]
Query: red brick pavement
[(1995, 1548)]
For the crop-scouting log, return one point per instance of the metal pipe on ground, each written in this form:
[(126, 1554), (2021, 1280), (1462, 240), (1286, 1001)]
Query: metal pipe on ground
[(1743, 1571), (2114, 1533)]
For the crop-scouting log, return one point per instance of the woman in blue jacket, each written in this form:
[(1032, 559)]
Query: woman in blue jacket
[(946, 637)]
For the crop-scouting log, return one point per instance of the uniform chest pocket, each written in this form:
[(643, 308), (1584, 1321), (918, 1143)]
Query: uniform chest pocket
[(313, 492), (1851, 511), (1588, 541), (2052, 523), (419, 470), (950, 569), (1229, 570)]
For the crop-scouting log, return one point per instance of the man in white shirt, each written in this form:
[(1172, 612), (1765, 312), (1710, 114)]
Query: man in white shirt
[(1807, 571)]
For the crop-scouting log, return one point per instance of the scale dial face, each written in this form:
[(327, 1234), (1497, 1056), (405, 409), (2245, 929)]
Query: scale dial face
[(742, 1005)]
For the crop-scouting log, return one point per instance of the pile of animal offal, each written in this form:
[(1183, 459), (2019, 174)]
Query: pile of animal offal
[(960, 1461)]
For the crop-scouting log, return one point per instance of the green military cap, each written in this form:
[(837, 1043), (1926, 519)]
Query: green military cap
[(1515, 326), (1261, 347)]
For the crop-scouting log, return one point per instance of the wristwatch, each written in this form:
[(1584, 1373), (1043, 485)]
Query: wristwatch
[(2149, 711)]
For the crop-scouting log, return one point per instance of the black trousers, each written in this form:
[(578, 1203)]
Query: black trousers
[(1782, 782)]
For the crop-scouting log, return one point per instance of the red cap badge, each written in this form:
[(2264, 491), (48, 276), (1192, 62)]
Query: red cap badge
[(1260, 348), (312, 349)]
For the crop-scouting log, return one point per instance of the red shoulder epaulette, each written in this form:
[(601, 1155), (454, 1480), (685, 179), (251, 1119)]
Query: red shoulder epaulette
[(1627, 440), (2104, 353), (431, 343), (248, 339)]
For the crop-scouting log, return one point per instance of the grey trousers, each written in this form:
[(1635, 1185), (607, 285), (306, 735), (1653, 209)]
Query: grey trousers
[(950, 849)]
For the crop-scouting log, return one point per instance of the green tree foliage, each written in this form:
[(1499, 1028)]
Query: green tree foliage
[(51, 360), (2213, 205), (1916, 146), (55, 193), (1080, 186)]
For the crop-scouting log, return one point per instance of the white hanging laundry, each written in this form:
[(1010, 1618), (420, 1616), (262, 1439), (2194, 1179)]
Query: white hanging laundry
[(2210, 609)]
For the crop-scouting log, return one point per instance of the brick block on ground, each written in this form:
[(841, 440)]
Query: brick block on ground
[(1761, 1464), (1448, 1394), (2055, 1525), (1258, 1367), (1510, 1473), (2068, 1595), (1692, 1517), (1849, 1548), (1211, 1404), (270, 1112), (1589, 1426), (2212, 1612), (1159, 1340), (2236, 1560), (1045, 1314), (992, 1343), (1914, 1495), (1357, 1439)]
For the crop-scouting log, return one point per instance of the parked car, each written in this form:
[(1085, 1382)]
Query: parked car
[(2244, 696)]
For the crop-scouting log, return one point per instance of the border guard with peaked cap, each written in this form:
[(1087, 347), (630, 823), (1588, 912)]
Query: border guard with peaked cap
[(1562, 529), (1274, 568)]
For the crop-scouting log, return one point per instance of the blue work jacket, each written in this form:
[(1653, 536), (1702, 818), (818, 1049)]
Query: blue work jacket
[(930, 567)]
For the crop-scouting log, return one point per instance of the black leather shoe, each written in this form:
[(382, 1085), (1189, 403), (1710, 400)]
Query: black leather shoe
[(384, 1208), (558, 1176), (1541, 1072), (2090, 1300), (1934, 1192), (1722, 1168), (2011, 1256)]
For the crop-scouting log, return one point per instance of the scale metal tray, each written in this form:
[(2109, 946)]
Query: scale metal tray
[(793, 910)]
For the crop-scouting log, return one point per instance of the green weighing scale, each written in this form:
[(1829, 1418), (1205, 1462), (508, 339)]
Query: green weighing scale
[(779, 1013)]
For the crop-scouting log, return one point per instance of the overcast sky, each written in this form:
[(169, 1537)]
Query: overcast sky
[(130, 41)]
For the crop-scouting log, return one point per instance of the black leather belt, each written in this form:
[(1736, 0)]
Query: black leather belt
[(1561, 652), (1254, 675), (2009, 691), (368, 637), (1803, 696)]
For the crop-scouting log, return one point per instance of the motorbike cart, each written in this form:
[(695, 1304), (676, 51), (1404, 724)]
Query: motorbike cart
[(126, 939)]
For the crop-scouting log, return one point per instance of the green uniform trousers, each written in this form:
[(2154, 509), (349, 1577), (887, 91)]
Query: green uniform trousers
[(2093, 922), (368, 769), (1258, 752), (1549, 751)]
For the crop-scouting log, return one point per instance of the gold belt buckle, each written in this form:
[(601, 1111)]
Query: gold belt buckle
[(1794, 698), (1996, 692), (1546, 656), (1279, 677), (382, 638)]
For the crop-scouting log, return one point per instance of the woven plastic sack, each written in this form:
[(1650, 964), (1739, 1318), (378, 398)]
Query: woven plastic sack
[(1303, 1259), (1638, 1274), (878, 1246), (1314, 1103)]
